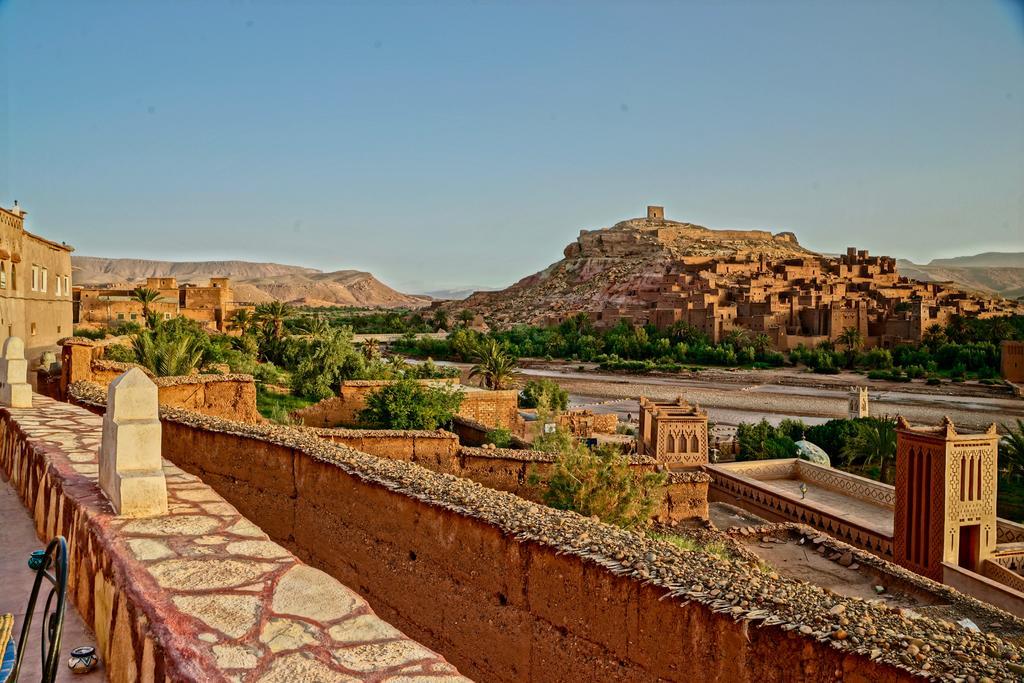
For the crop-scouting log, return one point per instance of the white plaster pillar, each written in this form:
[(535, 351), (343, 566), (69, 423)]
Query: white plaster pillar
[(15, 391), (131, 469)]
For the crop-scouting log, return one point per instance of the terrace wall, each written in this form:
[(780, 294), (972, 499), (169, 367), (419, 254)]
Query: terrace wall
[(199, 594), (498, 605)]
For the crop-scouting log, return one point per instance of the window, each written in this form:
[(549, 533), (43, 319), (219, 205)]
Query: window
[(14, 277), (57, 285), (67, 286), (44, 286), (134, 316), (120, 316), (3, 277), (33, 329), (35, 278)]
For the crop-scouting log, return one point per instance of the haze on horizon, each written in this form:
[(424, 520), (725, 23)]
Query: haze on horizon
[(465, 144)]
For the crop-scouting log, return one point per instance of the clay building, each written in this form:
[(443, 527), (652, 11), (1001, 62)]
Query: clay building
[(35, 286), (946, 498), (1011, 361), (674, 433), (211, 305)]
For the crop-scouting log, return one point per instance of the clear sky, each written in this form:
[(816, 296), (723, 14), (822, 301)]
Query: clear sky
[(454, 144)]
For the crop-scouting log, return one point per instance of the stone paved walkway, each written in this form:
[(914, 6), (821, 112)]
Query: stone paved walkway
[(226, 591), (18, 539)]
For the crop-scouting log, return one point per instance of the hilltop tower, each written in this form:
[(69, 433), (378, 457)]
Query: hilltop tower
[(945, 497), (656, 213)]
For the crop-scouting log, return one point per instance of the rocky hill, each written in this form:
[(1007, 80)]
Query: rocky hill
[(991, 273), (603, 266), (254, 282)]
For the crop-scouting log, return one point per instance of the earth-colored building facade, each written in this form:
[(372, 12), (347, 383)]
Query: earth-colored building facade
[(212, 305), (797, 300), (946, 498), (674, 433), (1012, 360), (35, 286)]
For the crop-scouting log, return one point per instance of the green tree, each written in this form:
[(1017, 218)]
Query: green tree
[(600, 483), (407, 404), (495, 368), (272, 316), (544, 394), (440, 320), (737, 338), (371, 349), (324, 361), (1011, 450), (874, 443), (466, 316), (761, 343), (147, 297), (852, 339), (166, 354), (242, 321)]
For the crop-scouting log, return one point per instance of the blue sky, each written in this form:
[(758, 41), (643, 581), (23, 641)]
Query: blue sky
[(452, 144)]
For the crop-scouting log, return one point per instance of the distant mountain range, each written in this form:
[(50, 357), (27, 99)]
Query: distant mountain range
[(993, 272), (254, 282)]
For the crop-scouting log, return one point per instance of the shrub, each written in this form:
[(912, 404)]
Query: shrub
[(119, 353), (933, 381), (406, 404), (600, 483), (544, 393), (88, 333), (500, 437)]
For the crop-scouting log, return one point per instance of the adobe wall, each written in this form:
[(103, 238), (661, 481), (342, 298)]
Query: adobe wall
[(499, 585), (510, 590), (200, 594), (230, 396), (492, 408)]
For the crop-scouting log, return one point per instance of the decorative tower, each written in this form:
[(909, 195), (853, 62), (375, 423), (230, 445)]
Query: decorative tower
[(674, 433), (945, 497), (859, 402)]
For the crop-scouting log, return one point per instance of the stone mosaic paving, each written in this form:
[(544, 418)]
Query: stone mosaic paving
[(227, 592)]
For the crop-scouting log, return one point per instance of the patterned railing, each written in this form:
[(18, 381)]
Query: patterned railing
[(1010, 556), (1009, 532), (997, 572), (758, 497), (849, 484)]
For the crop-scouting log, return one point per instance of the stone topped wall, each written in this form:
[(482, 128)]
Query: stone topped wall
[(509, 590), (231, 396), (200, 594)]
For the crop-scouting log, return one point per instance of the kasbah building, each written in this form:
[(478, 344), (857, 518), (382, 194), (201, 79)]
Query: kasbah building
[(35, 286), (212, 305)]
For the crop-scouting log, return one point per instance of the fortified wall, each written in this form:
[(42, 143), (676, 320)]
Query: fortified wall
[(509, 590)]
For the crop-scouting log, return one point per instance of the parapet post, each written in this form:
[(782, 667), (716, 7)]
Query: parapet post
[(131, 468), (15, 391)]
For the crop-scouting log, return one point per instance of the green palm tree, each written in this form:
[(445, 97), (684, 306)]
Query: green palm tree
[(1011, 450), (315, 325), (852, 339), (466, 316), (371, 349), (272, 316), (737, 339), (440, 321), (242, 320), (495, 368), (147, 297), (167, 356), (761, 342), (874, 442)]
